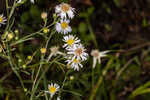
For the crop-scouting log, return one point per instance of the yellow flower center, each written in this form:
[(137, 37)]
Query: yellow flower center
[(52, 89), (78, 51), (64, 25), (65, 7), (75, 60), (70, 41), (1, 19)]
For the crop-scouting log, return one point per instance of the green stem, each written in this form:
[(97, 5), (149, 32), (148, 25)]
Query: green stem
[(41, 64), (13, 66), (10, 59), (45, 86), (10, 15), (100, 80), (92, 32), (92, 77)]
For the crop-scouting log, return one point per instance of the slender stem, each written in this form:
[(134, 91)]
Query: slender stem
[(50, 98), (13, 67), (124, 67), (10, 15), (63, 82), (4, 77), (92, 77), (45, 86), (7, 7), (38, 81), (42, 58), (49, 57), (10, 59), (100, 80), (92, 33), (41, 64)]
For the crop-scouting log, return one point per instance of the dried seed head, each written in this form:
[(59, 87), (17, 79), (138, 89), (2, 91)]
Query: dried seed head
[(44, 15), (95, 53), (54, 49)]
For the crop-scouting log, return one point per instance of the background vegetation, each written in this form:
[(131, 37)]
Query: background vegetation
[(118, 25)]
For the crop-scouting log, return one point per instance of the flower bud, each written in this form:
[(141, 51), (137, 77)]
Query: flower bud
[(29, 57), (45, 30), (24, 66), (43, 50), (10, 36), (20, 60), (16, 31), (71, 78), (25, 89)]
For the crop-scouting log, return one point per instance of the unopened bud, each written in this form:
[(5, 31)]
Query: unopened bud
[(43, 50), (19, 60), (24, 66), (71, 78), (16, 31), (10, 36), (25, 89), (29, 57), (45, 30)]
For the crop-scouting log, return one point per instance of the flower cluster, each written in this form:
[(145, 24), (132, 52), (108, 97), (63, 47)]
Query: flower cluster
[(75, 50)]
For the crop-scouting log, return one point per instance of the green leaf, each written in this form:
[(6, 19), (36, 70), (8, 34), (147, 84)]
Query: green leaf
[(140, 90)]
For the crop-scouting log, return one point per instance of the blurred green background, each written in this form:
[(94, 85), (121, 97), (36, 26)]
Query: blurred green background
[(118, 25)]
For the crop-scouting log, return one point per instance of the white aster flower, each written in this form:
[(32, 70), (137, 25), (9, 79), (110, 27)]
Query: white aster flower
[(70, 40), (74, 63), (63, 27), (2, 19), (52, 89), (63, 10), (97, 56), (78, 51)]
